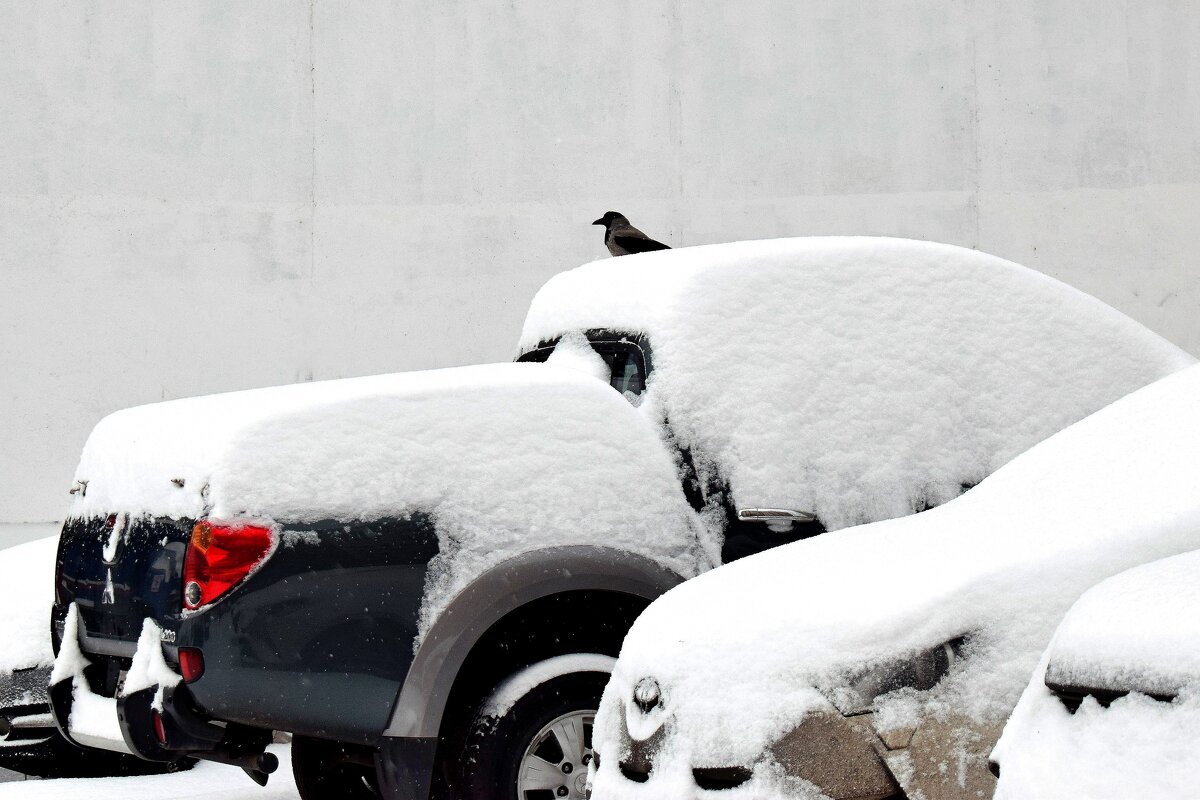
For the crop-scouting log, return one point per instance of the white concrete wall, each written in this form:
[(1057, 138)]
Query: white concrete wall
[(197, 197)]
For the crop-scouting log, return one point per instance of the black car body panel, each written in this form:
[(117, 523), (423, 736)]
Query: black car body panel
[(320, 637), (143, 579), (319, 640)]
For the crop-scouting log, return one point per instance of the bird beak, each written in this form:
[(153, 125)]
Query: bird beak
[(599, 222)]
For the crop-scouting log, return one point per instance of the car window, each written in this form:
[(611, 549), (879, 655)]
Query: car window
[(626, 363), (628, 375)]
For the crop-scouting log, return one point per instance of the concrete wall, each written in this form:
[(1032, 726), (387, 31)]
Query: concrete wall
[(209, 196)]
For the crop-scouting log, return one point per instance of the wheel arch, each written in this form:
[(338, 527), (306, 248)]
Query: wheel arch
[(517, 582)]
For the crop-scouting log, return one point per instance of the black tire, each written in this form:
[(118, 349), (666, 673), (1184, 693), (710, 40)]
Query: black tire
[(55, 757), (327, 770), (496, 746)]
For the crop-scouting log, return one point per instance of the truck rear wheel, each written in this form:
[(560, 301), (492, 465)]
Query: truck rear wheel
[(539, 747)]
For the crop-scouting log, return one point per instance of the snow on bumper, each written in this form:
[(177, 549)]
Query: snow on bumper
[(109, 723)]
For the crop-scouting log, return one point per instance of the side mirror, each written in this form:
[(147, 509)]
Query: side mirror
[(778, 520)]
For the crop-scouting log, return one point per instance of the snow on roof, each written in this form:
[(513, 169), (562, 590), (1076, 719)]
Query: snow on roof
[(1138, 631), (739, 650), (860, 378), (26, 594)]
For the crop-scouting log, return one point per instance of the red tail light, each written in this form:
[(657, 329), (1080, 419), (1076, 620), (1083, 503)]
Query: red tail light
[(219, 557), (160, 730), (191, 663)]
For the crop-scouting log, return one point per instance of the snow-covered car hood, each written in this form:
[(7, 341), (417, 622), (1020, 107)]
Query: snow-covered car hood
[(1138, 631), (26, 594), (743, 653)]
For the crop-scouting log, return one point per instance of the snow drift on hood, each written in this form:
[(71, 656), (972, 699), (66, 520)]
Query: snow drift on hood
[(739, 650), (770, 358), (1137, 631)]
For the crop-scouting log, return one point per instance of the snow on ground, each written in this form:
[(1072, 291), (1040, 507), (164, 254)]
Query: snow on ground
[(859, 378), (745, 652), (1137, 631), (206, 781)]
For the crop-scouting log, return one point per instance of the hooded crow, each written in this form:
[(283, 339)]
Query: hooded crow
[(623, 239)]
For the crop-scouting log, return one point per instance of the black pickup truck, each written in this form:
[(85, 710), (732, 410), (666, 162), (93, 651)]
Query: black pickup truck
[(425, 577)]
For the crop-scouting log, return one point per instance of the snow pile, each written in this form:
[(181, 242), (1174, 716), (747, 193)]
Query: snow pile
[(149, 668), (745, 652), (1139, 632), (26, 594), (93, 721), (574, 352), (506, 458), (860, 378)]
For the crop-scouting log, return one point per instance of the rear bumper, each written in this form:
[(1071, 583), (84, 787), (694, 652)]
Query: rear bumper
[(160, 722)]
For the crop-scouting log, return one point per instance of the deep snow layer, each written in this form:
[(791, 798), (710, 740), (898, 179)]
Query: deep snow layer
[(26, 594), (772, 357), (1136, 748), (1137, 631), (744, 652), (505, 457)]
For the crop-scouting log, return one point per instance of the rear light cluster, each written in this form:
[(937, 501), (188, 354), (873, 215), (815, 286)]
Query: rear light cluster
[(219, 557)]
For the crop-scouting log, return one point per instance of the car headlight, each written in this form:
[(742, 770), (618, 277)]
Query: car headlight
[(921, 672)]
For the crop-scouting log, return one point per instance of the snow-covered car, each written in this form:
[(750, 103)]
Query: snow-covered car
[(1113, 709), (26, 594), (429, 574), (29, 742), (883, 660)]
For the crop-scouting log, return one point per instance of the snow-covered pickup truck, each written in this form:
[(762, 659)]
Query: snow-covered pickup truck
[(425, 577)]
